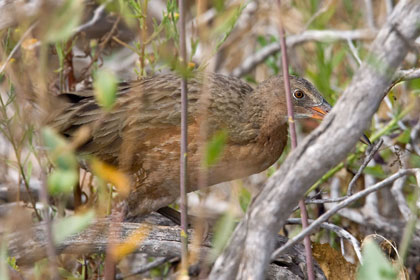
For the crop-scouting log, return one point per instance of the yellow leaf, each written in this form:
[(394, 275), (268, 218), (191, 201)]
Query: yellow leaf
[(132, 242), (112, 175)]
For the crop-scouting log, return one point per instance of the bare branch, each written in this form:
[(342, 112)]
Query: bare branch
[(368, 158), (310, 35), (369, 14), (324, 217), (342, 233)]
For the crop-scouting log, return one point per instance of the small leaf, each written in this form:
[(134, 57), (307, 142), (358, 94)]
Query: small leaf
[(51, 139), (215, 148), (105, 86), (376, 171), (62, 181), (65, 159), (375, 265), (111, 174), (29, 169), (60, 152), (404, 137), (71, 225), (244, 198)]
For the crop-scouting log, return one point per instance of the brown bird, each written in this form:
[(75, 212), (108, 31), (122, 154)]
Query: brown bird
[(141, 134)]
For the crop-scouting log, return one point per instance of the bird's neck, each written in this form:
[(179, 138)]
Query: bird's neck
[(260, 117), (265, 128)]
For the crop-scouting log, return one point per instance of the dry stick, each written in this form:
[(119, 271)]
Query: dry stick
[(200, 224), (341, 205), (184, 143), (342, 233), (309, 35), (363, 166), (293, 138), (143, 37), (102, 46), (18, 44)]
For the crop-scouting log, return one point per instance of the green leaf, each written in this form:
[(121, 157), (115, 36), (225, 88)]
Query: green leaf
[(376, 171), (11, 261), (244, 198), (51, 139), (64, 21), (72, 225), (62, 181), (223, 230), (215, 148), (28, 173), (375, 265), (105, 86), (61, 155), (404, 137)]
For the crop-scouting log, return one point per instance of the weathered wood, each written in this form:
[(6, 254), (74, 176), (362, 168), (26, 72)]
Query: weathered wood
[(252, 243), (29, 245)]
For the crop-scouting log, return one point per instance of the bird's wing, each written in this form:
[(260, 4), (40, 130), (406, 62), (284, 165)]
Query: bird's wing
[(150, 104)]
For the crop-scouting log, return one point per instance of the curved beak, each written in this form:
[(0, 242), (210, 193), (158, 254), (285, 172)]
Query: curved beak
[(320, 111)]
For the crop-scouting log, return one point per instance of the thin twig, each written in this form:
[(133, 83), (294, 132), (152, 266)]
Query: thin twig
[(184, 143), (293, 138), (342, 233), (102, 46), (354, 51), (370, 18), (318, 13), (362, 167), (18, 44), (292, 40), (336, 208)]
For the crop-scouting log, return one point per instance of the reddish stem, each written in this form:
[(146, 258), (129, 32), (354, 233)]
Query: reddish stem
[(293, 138), (184, 142)]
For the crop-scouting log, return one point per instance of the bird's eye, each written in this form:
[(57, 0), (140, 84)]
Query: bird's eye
[(298, 94)]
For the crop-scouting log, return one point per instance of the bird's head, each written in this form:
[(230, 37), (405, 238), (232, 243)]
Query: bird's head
[(307, 101)]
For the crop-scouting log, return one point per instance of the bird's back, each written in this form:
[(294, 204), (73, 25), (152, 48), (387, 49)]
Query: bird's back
[(146, 110)]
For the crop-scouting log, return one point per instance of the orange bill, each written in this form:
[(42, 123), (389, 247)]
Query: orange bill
[(320, 111)]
